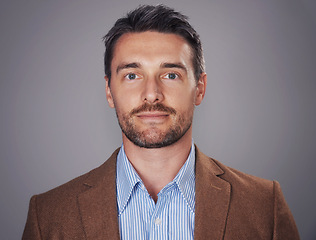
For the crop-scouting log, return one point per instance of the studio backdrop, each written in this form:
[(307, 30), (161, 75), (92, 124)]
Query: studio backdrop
[(258, 115)]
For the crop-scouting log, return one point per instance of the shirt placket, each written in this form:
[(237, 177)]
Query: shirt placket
[(158, 222)]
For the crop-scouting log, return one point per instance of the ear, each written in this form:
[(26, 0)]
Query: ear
[(200, 89), (108, 93)]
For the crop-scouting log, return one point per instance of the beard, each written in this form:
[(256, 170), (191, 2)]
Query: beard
[(153, 137)]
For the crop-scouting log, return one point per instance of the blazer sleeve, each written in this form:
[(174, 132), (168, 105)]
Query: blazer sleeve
[(284, 224), (31, 230)]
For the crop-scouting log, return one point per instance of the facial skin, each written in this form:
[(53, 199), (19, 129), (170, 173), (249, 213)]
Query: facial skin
[(153, 89)]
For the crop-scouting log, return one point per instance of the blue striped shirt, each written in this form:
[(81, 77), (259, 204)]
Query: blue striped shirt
[(172, 217)]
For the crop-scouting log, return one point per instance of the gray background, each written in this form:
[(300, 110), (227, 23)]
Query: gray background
[(258, 115)]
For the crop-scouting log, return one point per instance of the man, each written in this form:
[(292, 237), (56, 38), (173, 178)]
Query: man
[(158, 185)]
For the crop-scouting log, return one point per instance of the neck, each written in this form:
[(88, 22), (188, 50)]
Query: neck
[(158, 166)]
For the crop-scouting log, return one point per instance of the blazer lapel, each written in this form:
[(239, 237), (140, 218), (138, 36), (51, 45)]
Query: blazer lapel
[(212, 199), (97, 204)]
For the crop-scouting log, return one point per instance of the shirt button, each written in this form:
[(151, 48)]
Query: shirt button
[(158, 221)]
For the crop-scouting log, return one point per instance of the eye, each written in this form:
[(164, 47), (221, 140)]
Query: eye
[(131, 76), (171, 76)]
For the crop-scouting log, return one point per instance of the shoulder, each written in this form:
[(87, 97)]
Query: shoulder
[(233, 176), (244, 188), (256, 206), (67, 192), (59, 211), (243, 180)]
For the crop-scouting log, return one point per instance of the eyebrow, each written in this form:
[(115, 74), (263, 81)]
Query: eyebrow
[(173, 65), (137, 65), (126, 66)]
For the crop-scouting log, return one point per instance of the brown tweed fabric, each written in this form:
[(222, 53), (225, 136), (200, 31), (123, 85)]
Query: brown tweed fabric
[(229, 205)]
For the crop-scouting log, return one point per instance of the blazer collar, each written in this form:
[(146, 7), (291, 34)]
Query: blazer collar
[(212, 199), (99, 216)]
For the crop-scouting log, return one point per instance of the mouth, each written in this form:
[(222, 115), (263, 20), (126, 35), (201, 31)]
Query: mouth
[(152, 116)]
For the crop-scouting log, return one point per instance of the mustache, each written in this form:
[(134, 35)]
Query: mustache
[(153, 107)]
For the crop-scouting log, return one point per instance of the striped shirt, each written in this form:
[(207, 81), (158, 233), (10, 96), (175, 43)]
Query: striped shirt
[(172, 217)]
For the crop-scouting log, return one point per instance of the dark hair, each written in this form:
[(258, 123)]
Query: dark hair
[(158, 18)]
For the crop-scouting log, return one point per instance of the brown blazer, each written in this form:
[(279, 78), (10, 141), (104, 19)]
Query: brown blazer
[(229, 205)]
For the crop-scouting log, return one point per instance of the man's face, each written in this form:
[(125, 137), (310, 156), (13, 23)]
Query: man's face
[(153, 88)]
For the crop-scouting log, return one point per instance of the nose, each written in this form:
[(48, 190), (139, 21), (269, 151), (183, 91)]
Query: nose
[(152, 92)]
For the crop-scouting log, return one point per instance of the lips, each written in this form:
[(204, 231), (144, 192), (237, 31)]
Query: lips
[(152, 117), (152, 114)]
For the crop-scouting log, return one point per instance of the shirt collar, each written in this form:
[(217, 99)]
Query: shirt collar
[(127, 179), (185, 179)]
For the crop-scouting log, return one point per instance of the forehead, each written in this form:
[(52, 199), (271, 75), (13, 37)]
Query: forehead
[(152, 47)]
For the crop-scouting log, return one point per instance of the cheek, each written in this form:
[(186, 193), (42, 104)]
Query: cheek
[(183, 99), (123, 104)]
